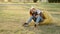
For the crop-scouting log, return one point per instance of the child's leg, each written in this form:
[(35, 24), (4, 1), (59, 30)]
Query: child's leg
[(30, 19), (39, 19)]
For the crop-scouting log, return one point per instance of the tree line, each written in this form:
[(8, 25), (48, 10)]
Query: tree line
[(50, 1)]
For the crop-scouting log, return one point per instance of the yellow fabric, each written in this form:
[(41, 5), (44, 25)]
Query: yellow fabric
[(48, 18)]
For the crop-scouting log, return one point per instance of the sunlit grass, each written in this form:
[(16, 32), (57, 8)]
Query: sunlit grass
[(13, 16)]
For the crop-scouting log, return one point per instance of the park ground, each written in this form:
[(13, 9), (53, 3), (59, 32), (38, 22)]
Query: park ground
[(13, 15)]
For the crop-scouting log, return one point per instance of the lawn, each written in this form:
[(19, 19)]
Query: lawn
[(12, 16)]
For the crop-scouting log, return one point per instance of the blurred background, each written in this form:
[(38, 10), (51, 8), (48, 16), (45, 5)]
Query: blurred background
[(13, 13), (29, 1)]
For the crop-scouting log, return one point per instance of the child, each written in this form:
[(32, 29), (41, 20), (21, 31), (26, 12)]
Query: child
[(36, 15)]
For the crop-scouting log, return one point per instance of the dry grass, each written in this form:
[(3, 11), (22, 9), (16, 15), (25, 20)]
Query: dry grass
[(12, 18)]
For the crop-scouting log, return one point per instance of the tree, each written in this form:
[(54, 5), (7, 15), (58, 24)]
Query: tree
[(35, 1), (54, 1)]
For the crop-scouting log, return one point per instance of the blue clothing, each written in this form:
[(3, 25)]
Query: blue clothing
[(36, 20)]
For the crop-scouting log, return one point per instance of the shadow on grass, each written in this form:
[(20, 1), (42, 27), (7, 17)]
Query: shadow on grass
[(45, 29)]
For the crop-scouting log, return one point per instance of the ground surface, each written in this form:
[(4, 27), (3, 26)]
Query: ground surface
[(12, 16)]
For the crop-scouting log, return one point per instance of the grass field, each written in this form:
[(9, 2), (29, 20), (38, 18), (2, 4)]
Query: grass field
[(12, 16)]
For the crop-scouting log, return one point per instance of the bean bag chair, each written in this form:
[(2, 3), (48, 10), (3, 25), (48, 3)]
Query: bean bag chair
[(48, 18)]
